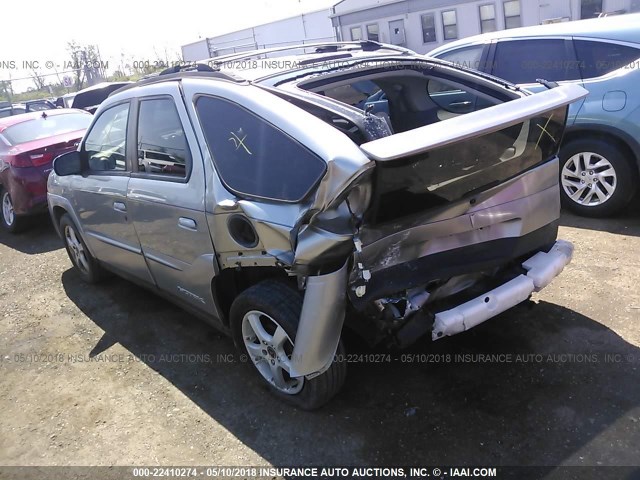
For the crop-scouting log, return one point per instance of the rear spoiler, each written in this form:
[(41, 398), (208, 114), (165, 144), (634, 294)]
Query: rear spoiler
[(471, 125)]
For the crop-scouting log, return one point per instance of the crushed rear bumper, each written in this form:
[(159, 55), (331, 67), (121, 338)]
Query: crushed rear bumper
[(541, 269)]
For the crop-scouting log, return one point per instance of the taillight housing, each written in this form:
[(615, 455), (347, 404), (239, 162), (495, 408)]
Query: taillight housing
[(34, 158)]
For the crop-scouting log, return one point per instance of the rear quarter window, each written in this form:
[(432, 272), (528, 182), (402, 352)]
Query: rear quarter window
[(599, 58), (253, 157)]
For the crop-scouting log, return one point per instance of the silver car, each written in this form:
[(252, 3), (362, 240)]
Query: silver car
[(285, 198)]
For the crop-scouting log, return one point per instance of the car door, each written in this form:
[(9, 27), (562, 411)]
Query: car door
[(100, 194), (166, 194)]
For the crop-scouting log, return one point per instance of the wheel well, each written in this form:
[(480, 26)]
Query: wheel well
[(231, 282), (57, 215), (605, 136)]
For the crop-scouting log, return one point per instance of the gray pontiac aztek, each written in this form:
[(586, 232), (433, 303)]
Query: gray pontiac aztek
[(284, 195)]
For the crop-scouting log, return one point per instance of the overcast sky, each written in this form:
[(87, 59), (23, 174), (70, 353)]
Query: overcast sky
[(39, 30)]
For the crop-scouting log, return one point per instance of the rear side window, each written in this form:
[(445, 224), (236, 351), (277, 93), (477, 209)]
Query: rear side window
[(524, 61), (162, 145), (599, 58), (105, 144), (254, 158)]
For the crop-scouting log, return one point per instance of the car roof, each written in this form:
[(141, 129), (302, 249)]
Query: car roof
[(290, 69), (255, 65), (625, 28), (25, 117)]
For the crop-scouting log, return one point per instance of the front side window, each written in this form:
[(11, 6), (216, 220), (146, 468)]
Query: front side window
[(428, 28), (162, 144), (599, 58), (254, 158), (450, 24), (512, 14), (488, 18), (356, 34), (524, 61), (105, 144), (373, 32)]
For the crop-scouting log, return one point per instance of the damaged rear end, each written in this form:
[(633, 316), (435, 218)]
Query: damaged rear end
[(451, 224)]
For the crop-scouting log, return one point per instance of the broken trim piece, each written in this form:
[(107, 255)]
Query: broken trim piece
[(542, 268), (320, 324), (473, 124)]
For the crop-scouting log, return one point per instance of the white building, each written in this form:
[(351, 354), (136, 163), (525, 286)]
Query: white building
[(422, 25), (306, 28)]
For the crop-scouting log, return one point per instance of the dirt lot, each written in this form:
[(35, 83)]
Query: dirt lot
[(101, 375)]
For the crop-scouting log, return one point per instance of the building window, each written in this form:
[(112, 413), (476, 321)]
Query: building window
[(488, 18), (450, 25), (428, 28), (373, 33), (396, 32), (512, 14), (356, 34), (590, 8)]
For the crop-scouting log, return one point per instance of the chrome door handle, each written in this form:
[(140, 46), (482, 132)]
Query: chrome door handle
[(187, 223), (119, 207)]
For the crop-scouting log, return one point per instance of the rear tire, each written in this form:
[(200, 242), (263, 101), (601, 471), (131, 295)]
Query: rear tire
[(86, 265), (597, 179), (11, 222), (264, 318)]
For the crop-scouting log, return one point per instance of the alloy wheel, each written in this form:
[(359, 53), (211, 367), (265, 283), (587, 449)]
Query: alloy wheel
[(7, 209), (589, 179), (77, 249), (270, 349)]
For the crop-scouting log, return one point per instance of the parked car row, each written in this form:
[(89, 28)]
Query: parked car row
[(8, 109)]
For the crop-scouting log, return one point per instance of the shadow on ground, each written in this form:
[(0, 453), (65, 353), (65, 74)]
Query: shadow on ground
[(449, 407), (39, 237), (626, 222)]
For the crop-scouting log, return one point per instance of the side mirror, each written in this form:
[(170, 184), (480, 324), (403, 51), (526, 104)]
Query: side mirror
[(68, 164)]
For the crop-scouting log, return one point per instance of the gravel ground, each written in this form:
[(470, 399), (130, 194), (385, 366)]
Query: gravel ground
[(115, 375)]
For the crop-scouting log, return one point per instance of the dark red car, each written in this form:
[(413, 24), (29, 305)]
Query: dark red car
[(28, 145)]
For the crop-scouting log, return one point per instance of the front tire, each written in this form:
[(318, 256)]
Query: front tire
[(264, 322), (597, 179), (11, 222), (86, 265)]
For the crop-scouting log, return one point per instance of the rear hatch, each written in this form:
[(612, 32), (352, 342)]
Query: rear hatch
[(445, 162), (429, 184)]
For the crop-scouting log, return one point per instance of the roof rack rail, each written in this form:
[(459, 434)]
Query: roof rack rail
[(188, 67), (325, 47), (167, 76)]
